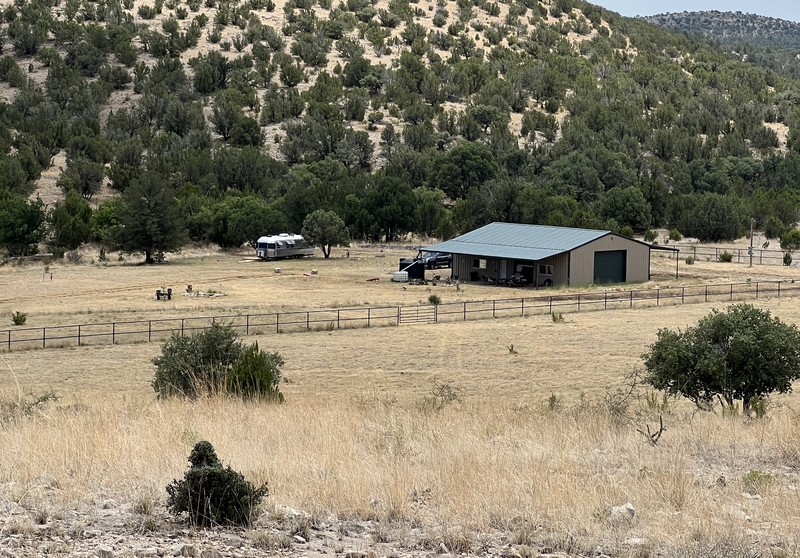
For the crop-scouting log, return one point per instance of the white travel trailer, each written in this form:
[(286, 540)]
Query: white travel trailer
[(283, 246)]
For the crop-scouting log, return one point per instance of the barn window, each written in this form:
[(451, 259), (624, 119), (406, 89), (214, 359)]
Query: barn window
[(545, 269), (478, 263)]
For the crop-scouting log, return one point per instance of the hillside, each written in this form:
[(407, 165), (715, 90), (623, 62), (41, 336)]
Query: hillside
[(218, 121), (734, 27), (769, 43)]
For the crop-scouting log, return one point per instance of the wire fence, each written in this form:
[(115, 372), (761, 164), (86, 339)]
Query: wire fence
[(761, 256), (344, 318)]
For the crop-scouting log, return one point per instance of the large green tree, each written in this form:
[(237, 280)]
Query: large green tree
[(628, 207), (148, 218), (739, 354), (22, 223), (326, 230), (388, 208), (468, 165), (72, 221)]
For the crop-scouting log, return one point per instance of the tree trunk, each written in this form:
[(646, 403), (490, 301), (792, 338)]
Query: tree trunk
[(148, 257), (326, 250)]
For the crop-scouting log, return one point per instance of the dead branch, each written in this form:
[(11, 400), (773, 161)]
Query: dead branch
[(653, 437)]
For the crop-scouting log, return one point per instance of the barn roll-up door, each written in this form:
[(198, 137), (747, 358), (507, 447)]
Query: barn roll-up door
[(609, 266)]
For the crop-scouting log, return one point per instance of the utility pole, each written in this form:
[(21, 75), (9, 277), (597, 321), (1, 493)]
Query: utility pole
[(750, 251)]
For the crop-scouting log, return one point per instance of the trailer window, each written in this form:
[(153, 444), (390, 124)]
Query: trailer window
[(478, 263), (545, 269), (270, 246)]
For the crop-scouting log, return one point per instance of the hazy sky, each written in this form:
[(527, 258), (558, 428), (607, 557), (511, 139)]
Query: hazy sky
[(784, 9)]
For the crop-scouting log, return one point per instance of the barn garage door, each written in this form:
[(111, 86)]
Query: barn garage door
[(609, 267)]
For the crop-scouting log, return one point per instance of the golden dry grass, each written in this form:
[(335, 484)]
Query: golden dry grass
[(357, 439), (535, 474)]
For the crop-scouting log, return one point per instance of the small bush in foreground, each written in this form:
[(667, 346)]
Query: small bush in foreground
[(689, 260), (213, 361), (19, 318), (726, 257), (212, 494), (787, 259)]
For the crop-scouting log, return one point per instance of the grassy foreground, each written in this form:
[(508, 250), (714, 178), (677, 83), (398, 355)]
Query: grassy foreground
[(546, 474)]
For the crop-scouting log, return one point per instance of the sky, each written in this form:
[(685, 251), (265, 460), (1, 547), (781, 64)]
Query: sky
[(783, 9)]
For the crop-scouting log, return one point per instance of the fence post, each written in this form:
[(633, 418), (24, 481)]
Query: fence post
[(44, 338), (731, 291), (605, 300), (247, 324), (308, 320), (182, 319), (522, 304), (551, 304), (631, 305), (579, 302), (779, 290), (435, 313), (9, 340), (706, 293), (113, 332), (79, 336), (398, 315), (756, 289), (338, 319), (369, 314), (493, 307), (277, 322), (149, 330), (683, 291), (658, 296)]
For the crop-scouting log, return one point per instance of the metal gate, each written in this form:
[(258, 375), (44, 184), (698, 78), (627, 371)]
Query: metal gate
[(418, 314)]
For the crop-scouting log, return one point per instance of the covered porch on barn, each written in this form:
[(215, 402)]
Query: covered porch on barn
[(553, 270)]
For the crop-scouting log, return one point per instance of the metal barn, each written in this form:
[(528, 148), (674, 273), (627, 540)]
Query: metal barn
[(545, 256)]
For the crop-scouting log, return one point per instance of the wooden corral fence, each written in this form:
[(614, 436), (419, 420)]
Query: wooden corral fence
[(342, 318)]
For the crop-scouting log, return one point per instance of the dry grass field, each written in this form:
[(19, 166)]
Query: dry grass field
[(530, 459)]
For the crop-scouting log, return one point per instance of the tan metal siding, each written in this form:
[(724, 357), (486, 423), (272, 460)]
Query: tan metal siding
[(560, 265), (637, 261)]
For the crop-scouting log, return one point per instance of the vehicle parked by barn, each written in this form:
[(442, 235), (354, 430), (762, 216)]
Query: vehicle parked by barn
[(282, 246)]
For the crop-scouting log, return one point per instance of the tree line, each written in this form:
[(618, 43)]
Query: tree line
[(629, 128)]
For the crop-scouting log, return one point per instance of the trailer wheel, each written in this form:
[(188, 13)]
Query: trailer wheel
[(548, 282)]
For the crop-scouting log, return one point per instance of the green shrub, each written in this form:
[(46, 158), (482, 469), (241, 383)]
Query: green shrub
[(649, 236), (756, 481), (19, 318), (558, 317), (626, 231), (434, 299), (214, 361), (212, 494), (774, 227), (256, 374), (726, 257), (790, 240), (675, 235), (787, 259), (689, 260), (196, 365)]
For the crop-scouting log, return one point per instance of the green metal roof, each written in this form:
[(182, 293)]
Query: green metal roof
[(520, 242)]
